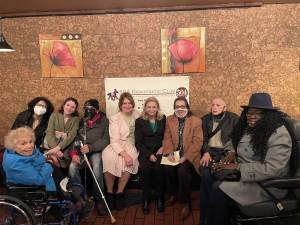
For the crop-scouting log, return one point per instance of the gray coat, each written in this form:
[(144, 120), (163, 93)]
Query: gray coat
[(276, 164)]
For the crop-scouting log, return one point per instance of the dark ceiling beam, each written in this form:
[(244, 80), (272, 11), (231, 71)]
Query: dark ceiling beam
[(133, 10)]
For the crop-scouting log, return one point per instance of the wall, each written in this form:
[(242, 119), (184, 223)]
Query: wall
[(247, 50)]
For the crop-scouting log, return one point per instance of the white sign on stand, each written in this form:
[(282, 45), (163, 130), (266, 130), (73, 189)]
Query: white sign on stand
[(165, 89)]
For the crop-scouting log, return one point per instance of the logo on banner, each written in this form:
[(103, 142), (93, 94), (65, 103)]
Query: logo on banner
[(182, 92), (113, 95)]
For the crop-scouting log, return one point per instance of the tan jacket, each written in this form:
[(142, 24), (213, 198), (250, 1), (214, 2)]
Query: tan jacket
[(192, 138)]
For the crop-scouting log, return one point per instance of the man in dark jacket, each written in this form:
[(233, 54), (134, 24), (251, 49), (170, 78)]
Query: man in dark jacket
[(217, 127), (92, 138)]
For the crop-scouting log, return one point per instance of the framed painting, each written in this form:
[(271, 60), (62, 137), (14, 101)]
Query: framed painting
[(183, 50), (61, 55)]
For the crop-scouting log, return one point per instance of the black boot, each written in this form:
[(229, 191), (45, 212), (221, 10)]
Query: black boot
[(110, 199), (146, 206), (160, 205), (120, 201)]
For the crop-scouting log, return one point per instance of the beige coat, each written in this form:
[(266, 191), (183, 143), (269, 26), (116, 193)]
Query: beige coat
[(192, 138), (118, 132)]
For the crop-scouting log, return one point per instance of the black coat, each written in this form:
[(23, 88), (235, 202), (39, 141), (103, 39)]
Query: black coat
[(148, 142), (97, 137), (25, 118), (229, 121)]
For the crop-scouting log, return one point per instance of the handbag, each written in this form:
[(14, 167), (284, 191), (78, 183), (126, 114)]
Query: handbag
[(223, 175)]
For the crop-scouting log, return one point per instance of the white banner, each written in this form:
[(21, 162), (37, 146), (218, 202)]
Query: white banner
[(165, 89)]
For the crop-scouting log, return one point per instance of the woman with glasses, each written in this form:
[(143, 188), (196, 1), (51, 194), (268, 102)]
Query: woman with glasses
[(36, 117), (260, 149), (183, 134)]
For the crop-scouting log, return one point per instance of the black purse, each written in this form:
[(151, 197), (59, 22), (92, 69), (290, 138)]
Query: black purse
[(223, 175)]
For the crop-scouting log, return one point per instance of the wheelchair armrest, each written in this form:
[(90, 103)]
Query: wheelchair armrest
[(11, 187), (283, 183)]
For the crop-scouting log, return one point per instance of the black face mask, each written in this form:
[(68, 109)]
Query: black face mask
[(89, 113)]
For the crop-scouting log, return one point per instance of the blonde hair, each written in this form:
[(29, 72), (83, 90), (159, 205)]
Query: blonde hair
[(144, 115), (10, 140)]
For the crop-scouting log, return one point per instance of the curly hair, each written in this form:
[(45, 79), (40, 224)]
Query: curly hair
[(11, 139), (261, 133), (49, 106)]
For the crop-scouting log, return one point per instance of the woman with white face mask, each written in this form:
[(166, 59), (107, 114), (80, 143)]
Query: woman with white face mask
[(36, 117), (183, 133)]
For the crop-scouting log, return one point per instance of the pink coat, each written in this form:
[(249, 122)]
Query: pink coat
[(118, 132)]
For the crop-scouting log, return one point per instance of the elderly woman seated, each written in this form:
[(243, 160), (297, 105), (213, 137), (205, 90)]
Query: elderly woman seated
[(260, 149), (23, 164)]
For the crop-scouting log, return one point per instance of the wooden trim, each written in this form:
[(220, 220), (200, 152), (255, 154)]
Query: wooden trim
[(134, 10)]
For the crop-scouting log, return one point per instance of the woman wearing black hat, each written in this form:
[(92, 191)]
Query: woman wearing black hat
[(260, 149)]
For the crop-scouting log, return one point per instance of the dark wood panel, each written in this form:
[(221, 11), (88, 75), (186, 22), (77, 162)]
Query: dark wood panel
[(16, 8)]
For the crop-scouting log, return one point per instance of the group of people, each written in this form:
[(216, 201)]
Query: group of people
[(257, 144)]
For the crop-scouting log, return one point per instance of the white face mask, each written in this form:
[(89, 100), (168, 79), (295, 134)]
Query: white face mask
[(38, 110), (181, 113)]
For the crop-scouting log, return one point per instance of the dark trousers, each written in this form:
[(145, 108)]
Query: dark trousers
[(179, 180), (215, 205), (152, 175)]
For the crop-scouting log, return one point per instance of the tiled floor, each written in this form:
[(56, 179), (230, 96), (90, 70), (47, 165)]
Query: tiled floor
[(133, 215)]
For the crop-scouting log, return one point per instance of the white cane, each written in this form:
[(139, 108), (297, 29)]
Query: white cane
[(112, 219)]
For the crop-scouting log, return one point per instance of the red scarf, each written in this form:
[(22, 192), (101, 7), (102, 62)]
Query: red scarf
[(92, 122)]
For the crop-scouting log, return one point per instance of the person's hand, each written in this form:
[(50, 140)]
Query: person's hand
[(56, 151), (59, 134), (159, 151), (53, 160), (127, 158), (84, 149), (222, 166), (182, 160), (229, 158), (152, 158), (171, 158), (76, 159), (206, 159)]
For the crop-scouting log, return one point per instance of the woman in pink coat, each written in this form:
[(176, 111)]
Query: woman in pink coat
[(120, 158)]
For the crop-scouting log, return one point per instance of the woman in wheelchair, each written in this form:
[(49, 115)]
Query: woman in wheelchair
[(260, 149), (25, 165)]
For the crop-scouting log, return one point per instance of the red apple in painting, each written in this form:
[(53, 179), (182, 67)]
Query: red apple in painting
[(183, 50)]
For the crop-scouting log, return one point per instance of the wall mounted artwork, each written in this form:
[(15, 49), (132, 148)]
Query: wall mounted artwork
[(183, 50), (61, 55)]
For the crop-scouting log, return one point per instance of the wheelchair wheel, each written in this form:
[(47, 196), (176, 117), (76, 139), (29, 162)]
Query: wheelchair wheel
[(13, 211)]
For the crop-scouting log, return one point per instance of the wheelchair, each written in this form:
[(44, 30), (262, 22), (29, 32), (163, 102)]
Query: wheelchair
[(269, 212), (32, 205)]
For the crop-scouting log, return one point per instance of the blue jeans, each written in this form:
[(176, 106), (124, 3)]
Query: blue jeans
[(96, 163)]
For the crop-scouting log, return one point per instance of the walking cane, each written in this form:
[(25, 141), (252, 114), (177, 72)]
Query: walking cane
[(112, 219)]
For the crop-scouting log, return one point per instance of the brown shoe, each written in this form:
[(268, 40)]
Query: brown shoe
[(171, 201), (186, 210)]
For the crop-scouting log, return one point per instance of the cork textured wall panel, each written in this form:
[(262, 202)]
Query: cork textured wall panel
[(247, 50)]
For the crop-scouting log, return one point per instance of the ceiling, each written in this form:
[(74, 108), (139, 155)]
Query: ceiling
[(22, 8)]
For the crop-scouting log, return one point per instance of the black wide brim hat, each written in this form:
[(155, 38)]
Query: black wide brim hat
[(260, 101)]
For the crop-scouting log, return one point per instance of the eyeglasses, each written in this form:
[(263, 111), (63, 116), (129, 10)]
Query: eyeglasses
[(180, 107), (41, 105), (254, 114)]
